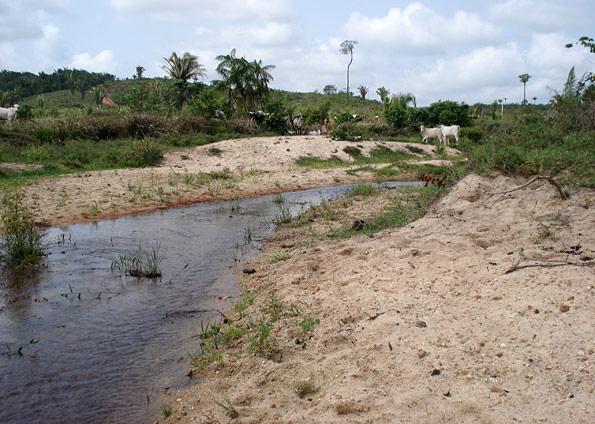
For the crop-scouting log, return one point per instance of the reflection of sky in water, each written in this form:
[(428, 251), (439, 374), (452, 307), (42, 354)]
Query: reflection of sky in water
[(100, 356)]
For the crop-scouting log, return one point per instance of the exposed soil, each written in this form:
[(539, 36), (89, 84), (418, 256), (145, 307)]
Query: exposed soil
[(423, 324), (259, 166)]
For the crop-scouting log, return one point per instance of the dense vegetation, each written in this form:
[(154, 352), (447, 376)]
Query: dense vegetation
[(67, 131), (15, 86)]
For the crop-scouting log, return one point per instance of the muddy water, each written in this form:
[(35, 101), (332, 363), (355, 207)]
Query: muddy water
[(82, 344)]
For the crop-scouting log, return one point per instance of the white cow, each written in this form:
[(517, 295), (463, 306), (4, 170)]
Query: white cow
[(429, 133), (453, 130), (9, 114)]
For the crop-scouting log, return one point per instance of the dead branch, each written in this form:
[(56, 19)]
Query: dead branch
[(516, 267), (538, 263), (549, 179)]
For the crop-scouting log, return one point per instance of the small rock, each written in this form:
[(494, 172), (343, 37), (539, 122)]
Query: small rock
[(422, 354), (249, 271), (447, 394), (435, 372), (499, 354), (564, 308), (421, 324)]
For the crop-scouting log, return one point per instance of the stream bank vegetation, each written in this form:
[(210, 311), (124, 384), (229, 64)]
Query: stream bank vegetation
[(21, 246)]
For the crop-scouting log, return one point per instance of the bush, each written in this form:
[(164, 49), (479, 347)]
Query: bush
[(22, 246), (317, 114), (276, 121), (24, 112), (349, 132), (472, 134), (141, 153), (344, 117), (449, 113)]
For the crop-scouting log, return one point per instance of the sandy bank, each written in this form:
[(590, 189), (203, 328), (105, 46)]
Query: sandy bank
[(423, 324), (259, 165)]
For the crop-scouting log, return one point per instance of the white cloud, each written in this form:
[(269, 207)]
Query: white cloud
[(101, 62), (540, 15), (417, 28), (227, 10)]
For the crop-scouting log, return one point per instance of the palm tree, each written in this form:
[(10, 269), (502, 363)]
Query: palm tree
[(246, 83), (363, 91), (383, 93), (181, 69), (524, 79), (403, 101), (347, 48)]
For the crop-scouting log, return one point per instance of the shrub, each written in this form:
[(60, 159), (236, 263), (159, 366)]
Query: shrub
[(22, 246), (449, 113), (473, 134), (344, 117), (317, 114), (141, 153), (349, 132), (25, 112), (276, 120)]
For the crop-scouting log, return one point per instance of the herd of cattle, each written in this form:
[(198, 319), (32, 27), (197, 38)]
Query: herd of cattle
[(296, 124), (441, 133)]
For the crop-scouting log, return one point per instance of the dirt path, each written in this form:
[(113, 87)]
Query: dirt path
[(423, 324), (256, 166)]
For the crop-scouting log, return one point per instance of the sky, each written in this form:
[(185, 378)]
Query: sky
[(459, 50)]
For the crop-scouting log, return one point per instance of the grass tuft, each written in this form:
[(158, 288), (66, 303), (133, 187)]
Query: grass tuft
[(22, 245)]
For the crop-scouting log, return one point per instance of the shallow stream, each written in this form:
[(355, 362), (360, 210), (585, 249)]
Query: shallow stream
[(82, 344)]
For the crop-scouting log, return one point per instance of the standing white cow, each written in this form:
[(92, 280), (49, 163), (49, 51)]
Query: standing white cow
[(9, 114), (453, 130), (428, 133)]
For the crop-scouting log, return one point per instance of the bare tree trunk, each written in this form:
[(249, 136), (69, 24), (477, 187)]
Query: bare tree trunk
[(348, 66)]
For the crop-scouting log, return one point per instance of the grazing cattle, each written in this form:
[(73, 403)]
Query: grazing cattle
[(450, 131), (326, 128), (297, 122), (9, 114), (428, 133), (259, 117)]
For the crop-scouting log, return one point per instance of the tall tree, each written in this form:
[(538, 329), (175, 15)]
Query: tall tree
[(181, 69), (347, 49), (329, 89), (524, 78), (363, 91), (139, 72), (384, 94)]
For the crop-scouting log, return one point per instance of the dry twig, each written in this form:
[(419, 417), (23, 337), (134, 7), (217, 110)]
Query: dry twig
[(549, 179)]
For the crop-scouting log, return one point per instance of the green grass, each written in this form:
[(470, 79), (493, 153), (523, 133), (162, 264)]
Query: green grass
[(377, 155), (364, 190), (412, 206)]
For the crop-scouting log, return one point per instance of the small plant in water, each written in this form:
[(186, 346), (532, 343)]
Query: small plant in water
[(283, 215), (22, 246), (140, 264), (279, 199)]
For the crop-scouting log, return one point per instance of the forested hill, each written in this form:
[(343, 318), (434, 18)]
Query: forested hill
[(18, 85)]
